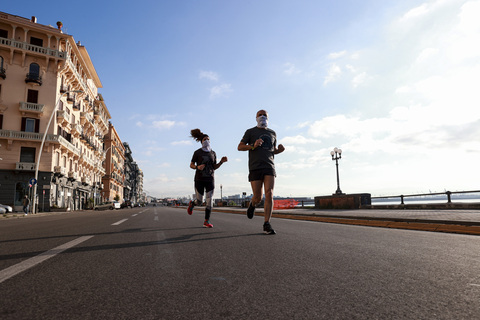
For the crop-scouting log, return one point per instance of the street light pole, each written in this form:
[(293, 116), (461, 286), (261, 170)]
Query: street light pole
[(41, 146), (336, 155)]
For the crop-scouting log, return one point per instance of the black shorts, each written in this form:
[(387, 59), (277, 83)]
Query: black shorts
[(259, 174), (201, 186)]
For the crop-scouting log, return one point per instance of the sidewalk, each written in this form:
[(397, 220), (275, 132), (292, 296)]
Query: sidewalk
[(446, 220)]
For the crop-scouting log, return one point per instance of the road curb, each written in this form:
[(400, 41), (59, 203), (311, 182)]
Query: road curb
[(460, 227)]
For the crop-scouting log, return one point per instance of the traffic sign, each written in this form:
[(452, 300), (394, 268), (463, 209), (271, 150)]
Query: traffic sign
[(32, 181)]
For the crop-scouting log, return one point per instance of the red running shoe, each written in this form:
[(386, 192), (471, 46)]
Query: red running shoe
[(207, 224), (190, 207)]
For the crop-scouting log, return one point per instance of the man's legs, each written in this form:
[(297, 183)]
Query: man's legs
[(257, 192), (268, 184)]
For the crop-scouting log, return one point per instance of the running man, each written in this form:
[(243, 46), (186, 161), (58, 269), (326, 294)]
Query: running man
[(261, 144), (204, 162)]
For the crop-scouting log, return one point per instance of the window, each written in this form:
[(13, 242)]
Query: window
[(32, 96), (30, 125), (27, 154), (1, 121), (3, 33), (34, 71), (2, 69), (36, 41)]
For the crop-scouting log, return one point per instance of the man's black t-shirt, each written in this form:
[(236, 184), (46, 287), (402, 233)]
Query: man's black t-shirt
[(209, 159), (262, 157)]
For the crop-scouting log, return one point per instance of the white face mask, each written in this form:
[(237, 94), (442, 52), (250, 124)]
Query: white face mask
[(206, 146), (262, 121)]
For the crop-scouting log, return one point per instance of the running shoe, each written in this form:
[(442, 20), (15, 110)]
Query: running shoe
[(190, 207), (250, 211), (267, 228), (207, 224)]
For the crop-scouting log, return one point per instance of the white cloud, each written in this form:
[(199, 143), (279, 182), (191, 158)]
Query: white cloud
[(163, 124), (333, 74), (181, 143), (360, 79), (290, 69), (220, 90), (210, 75), (416, 12), (336, 55), (298, 139)]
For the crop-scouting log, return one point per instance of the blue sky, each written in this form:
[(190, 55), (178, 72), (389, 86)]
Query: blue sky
[(394, 84)]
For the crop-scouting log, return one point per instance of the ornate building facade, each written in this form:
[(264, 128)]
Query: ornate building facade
[(45, 74), (113, 180)]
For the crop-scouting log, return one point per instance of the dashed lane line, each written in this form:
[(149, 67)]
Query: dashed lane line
[(119, 222), (29, 263)]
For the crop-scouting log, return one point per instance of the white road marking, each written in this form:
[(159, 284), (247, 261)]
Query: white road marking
[(156, 218), (474, 284), (119, 222), (134, 215), (29, 263)]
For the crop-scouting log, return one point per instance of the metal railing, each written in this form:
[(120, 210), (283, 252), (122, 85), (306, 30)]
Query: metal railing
[(426, 197)]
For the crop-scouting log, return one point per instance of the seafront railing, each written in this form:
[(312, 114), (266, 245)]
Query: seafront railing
[(448, 196)]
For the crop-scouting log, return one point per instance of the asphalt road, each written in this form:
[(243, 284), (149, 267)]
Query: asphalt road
[(159, 263)]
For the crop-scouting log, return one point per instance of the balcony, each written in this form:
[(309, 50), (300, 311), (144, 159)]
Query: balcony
[(62, 118), (70, 98), (3, 74), (72, 176), (86, 181), (76, 130), (85, 117), (25, 166), (33, 48), (32, 107), (60, 171), (34, 78), (12, 135)]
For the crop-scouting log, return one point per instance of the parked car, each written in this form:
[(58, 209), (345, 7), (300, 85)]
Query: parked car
[(3, 210), (126, 204), (104, 206), (116, 205), (7, 208)]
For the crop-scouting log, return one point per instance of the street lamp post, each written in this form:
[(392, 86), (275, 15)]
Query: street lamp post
[(221, 194), (336, 155), (41, 146)]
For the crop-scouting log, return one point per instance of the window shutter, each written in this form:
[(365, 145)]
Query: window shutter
[(24, 121), (32, 96), (37, 125)]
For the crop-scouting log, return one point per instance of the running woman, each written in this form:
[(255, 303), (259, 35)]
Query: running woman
[(261, 144), (204, 162)]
